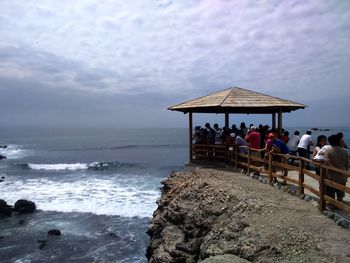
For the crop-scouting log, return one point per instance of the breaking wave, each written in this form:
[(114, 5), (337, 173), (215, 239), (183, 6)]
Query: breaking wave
[(72, 166)]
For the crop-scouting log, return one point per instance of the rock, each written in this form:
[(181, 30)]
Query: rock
[(225, 259), (307, 198), (42, 243), (24, 206), (5, 209), (54, 232), (3, 146), (21, 222), (2, 157)]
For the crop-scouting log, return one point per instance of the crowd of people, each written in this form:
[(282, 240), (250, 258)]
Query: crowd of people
[(330, 151)]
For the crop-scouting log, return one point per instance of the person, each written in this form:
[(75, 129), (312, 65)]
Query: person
[(342, 142), (293, 143), (228, 138), (304, 145), (319, 151), (337, 157), (218, 134), (317, 155), (285, 137), (253, 138), (241, 142), (278, 146), (199, 136), (210, 133), (234, 129), (243, 129)]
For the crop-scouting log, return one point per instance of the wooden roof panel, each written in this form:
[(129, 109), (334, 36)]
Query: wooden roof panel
[(236, 99)]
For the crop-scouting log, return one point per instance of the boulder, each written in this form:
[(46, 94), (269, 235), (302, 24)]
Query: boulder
[(24, 206), (5, 209), (225, 259), (54, 232)]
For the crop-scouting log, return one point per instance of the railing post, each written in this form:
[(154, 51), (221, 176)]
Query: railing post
[(301, 176), (322, 189), (270, 167), (248, 162)]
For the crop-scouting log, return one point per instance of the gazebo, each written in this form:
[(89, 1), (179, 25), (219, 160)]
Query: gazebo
[(237, 100)]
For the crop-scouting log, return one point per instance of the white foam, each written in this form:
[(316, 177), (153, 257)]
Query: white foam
[(99, 196), (59, 166), (13, 152)]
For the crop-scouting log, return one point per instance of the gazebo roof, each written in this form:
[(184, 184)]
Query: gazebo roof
[(237, 100)]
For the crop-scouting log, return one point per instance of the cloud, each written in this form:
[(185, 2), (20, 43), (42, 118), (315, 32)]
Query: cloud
[(176, 50)]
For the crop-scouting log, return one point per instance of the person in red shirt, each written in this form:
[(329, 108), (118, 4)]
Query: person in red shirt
[(253, 138)]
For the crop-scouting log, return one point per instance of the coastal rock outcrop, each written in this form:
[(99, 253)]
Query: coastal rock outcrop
[(24, 206), (212, 216), (5, 209), (54, 232)]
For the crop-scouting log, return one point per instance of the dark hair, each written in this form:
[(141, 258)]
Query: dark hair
[(308, 132), (216, 125), (319, 138), (340, 135), (296, 133), (242, 125), (286, 133), (334, 140), (207, 124)]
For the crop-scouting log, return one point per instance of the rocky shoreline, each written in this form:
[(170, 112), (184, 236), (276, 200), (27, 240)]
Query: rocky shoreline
[(217, 216)]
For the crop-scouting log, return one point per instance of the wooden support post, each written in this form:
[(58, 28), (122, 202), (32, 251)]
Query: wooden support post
[(227, 127), (270, 167), (280, 122), (190, 124), (274, 120), (227, 120), (248, 162), (322, 189), (301, 177)]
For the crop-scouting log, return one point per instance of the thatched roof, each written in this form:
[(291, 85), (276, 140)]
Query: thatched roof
[(237, 100)]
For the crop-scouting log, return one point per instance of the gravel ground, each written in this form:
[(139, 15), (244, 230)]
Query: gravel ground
[(205, 214)]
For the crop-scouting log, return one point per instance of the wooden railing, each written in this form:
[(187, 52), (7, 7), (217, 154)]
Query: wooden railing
[(278, 166)]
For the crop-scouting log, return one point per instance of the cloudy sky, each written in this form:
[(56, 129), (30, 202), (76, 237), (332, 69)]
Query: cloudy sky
[(121, 63)]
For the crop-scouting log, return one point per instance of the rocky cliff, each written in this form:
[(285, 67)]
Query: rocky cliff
[(212, 216)]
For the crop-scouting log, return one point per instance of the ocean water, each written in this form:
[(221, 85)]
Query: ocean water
[(99, 187)]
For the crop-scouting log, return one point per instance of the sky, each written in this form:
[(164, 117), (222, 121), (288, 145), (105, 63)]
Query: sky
[(121, 63)]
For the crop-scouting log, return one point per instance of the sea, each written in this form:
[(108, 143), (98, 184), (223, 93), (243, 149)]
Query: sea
[(99, 187)]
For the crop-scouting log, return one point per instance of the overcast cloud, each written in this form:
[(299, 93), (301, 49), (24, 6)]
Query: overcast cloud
[(121, 63)]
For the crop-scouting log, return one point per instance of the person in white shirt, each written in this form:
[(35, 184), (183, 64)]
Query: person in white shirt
[(293, 143), (304, 145), (218, 134)]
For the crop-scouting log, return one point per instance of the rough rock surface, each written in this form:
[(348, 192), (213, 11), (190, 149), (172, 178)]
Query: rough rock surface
[(25, 206), (208, 213)]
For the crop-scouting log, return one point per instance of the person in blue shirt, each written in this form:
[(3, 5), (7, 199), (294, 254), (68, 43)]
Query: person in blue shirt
[(279, 146)]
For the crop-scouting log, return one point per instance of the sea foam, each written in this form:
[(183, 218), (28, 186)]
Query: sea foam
[(109, 196)]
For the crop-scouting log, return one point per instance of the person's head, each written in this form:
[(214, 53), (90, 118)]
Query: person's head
[(340, 135), (286, 133), (207, 125), (297, 133), (216, 126), (242, 125), (308, 132), (334, 140), (233, 127), (197, 128), (252, 128), (321, 141), (271, 136), (251, 125)]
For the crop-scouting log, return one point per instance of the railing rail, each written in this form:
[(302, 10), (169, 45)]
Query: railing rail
[(253, 160)]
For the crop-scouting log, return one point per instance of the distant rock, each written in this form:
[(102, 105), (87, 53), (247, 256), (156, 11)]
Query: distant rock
[(54, 232), (24, 206), (3, 146), (5, 209), (2, 157)]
